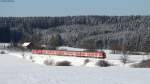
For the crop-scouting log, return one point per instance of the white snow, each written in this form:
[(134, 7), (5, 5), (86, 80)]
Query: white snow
[(70, 48), (26, 44), (18, 68), (113, 59), (14, 70)]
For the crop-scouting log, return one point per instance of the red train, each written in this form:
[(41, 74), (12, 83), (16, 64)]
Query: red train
[(98, 54)]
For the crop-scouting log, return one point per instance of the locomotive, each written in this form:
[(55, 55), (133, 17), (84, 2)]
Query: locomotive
[(97, 54)]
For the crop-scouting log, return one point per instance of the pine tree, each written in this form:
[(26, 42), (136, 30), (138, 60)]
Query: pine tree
[(55, 41)]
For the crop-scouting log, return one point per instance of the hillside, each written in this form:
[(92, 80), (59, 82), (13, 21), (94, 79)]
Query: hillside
[(102, 31)]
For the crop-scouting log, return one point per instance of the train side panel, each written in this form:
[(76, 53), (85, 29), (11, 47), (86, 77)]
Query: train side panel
[(71, 53)]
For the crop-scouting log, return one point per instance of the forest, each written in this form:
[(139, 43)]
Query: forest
[(130, 33)]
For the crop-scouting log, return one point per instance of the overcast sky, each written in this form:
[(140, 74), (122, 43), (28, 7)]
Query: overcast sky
[(74, 7)]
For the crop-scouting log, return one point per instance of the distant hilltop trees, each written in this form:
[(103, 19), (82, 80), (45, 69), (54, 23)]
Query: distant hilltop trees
[(103, 32)]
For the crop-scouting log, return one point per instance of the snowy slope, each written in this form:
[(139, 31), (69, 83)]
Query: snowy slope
[(113, 59), (18, 71)]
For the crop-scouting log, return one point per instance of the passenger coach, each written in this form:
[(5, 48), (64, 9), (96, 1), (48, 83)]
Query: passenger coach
[(98, 54)]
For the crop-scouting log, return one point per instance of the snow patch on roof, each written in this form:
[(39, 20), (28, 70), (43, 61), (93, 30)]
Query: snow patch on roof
[(26, 44)]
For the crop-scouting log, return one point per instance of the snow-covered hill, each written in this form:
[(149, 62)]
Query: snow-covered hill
[(19, 71)]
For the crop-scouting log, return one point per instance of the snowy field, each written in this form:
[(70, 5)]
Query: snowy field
[(19, 68), (113, 59), (15, 70)]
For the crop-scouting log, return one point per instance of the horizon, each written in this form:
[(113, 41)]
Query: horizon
[(79, 16)]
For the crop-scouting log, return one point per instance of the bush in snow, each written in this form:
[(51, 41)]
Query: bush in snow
[(2, 52), (23, 55), (86, 61), (48, 62), (124, 59), (63, 63), (143, 64), (103, 63)]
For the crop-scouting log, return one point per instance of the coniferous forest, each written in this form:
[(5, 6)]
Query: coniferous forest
[(102, 32)]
